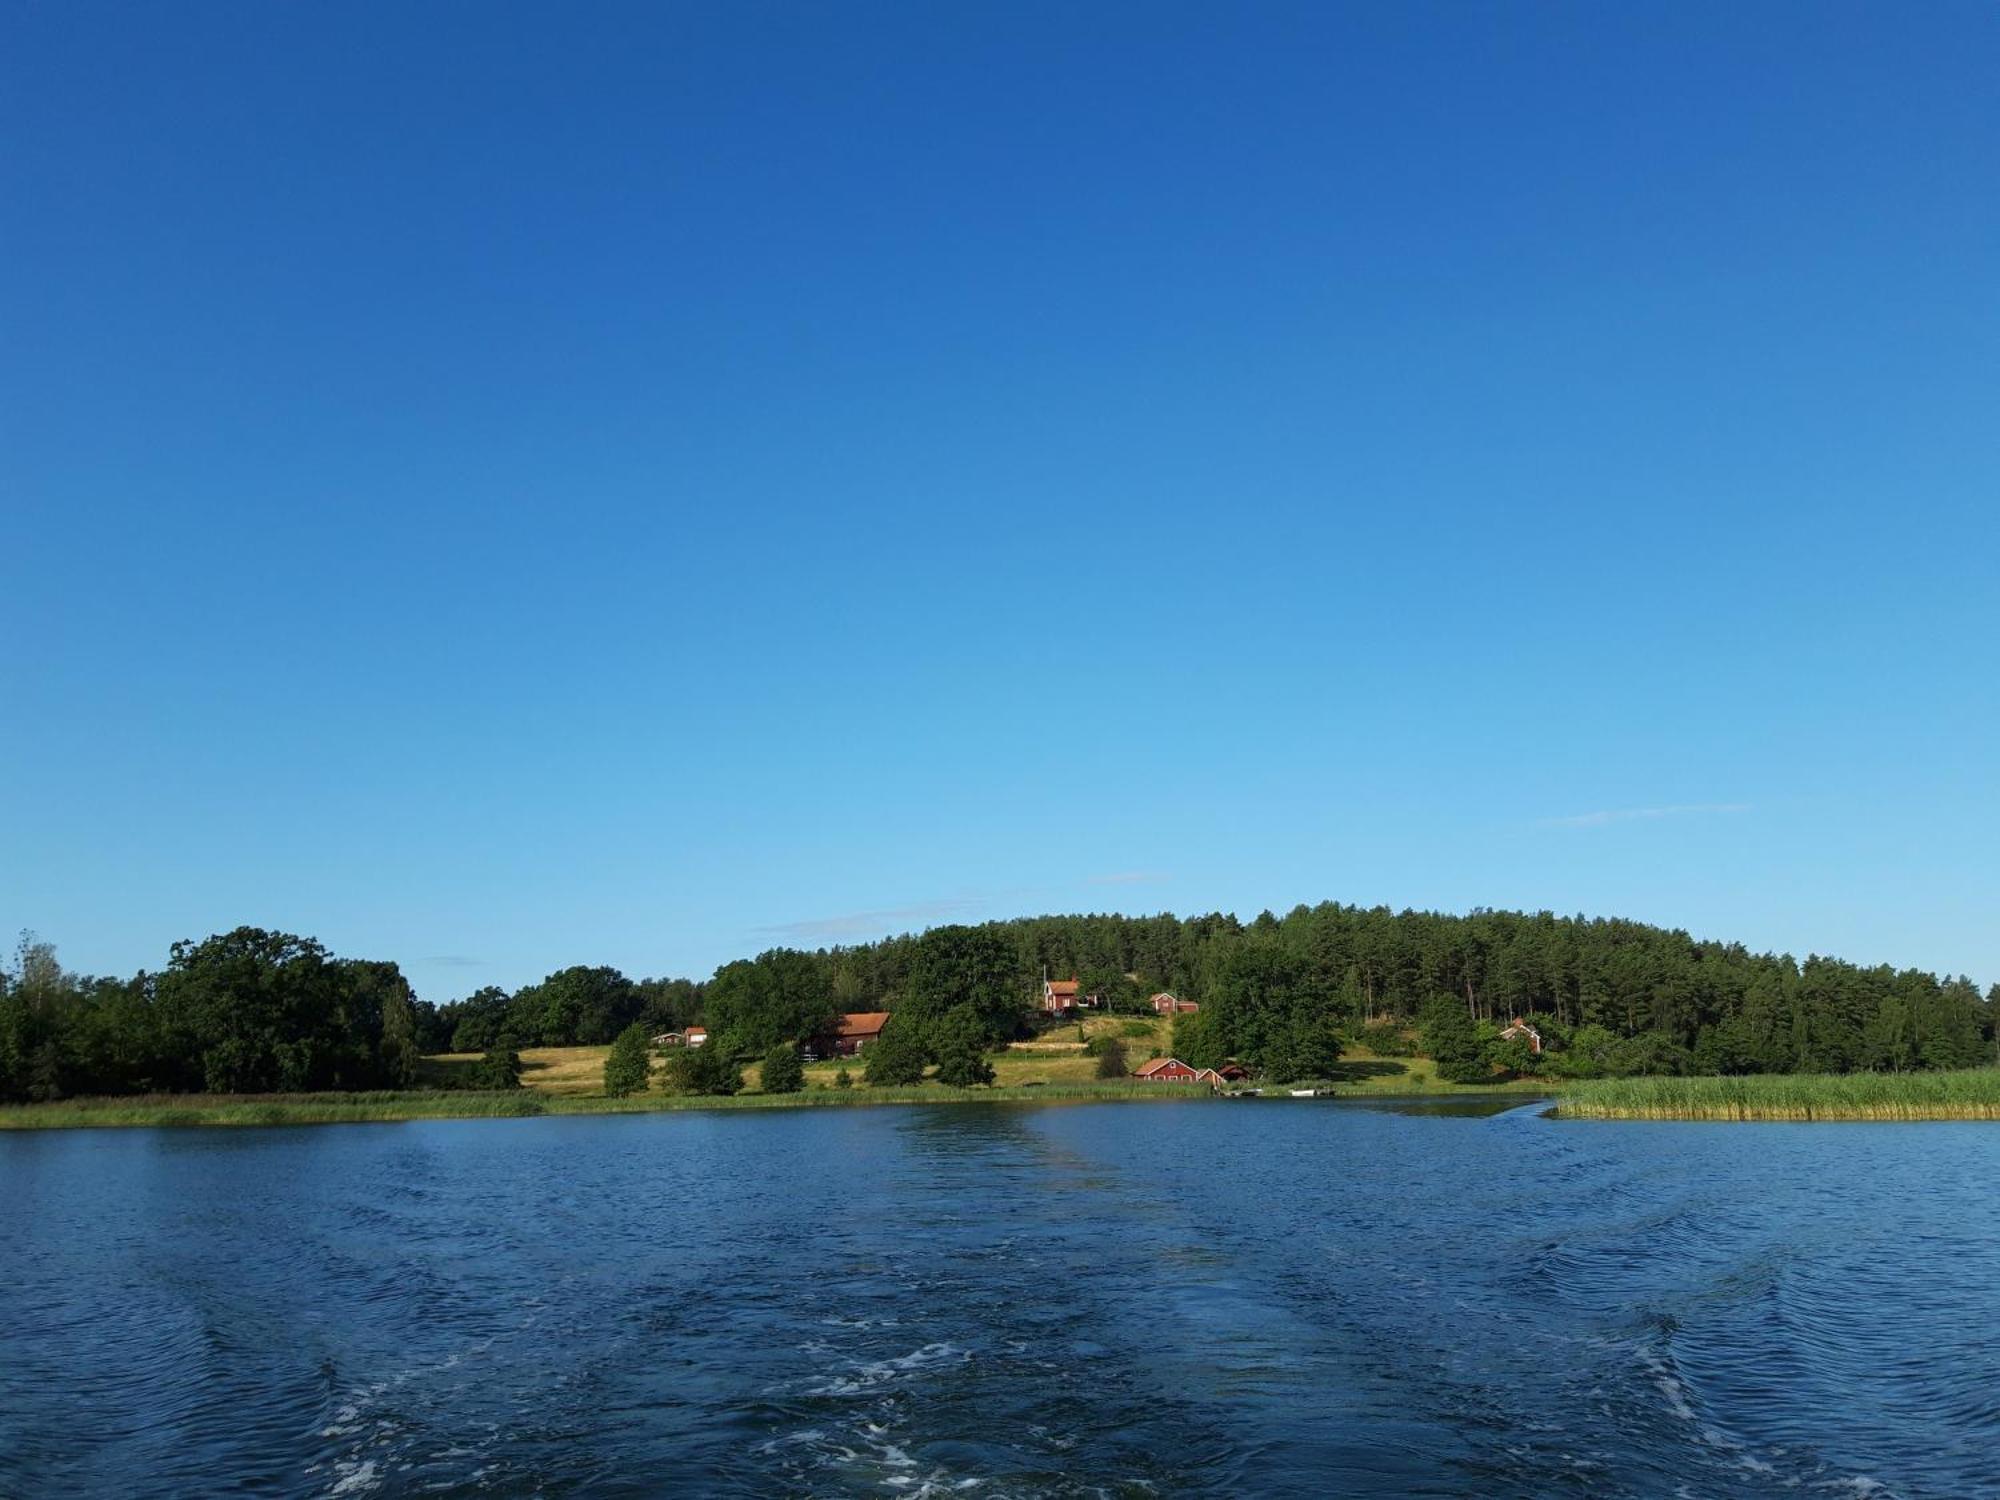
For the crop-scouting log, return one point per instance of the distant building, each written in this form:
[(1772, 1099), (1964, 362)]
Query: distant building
[(1165, 1070), (1520, 1030), (697, 1036), (1172, 1005), (1059, 996), (851, 1033), (670, 1039)]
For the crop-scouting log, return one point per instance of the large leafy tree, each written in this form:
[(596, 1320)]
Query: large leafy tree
[(258, 1011), (579, 1006), (975, 968), (779, 996)]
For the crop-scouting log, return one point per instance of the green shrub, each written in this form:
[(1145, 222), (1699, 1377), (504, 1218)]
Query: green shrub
[(625, 1068), (1111, 1062), (783, 1072)]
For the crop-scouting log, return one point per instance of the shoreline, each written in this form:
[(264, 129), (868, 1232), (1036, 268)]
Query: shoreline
[(250, 1111)]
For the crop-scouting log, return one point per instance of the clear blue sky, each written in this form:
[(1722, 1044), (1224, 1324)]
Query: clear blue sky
[(498, 487)]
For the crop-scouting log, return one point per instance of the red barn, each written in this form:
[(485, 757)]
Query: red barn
[(1166, 1070), (851, 1033)]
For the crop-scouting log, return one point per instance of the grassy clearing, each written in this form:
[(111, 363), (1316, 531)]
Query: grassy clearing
[(1970, 1095)]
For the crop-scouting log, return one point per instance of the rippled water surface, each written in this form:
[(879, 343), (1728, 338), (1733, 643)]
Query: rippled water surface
[(1231, 1298)]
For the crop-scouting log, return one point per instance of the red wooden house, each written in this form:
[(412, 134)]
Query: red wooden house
[(1172, 1005), (1165, 1070), (851, 1033)]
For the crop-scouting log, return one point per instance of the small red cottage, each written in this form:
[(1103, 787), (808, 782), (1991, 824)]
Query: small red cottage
[(1059, 996), (851, 1033), (1171, 1005), (1520, 1030), (697, 1036), (1166, 1070)]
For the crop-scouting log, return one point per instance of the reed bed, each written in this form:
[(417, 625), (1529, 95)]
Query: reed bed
[(1973, 1094)]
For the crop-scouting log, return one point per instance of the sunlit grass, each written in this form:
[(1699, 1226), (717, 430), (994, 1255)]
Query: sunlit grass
[(1973, 1094)]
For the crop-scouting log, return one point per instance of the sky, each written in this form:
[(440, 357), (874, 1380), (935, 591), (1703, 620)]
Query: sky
[(504, 486)]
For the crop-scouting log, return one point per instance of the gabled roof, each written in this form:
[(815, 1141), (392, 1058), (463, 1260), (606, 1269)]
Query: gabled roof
[(861, 1023), (1157, 1065), (1062, 986)]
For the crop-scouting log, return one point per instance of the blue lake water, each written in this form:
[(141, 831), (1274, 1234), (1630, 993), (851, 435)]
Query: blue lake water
[(1279, 1298)]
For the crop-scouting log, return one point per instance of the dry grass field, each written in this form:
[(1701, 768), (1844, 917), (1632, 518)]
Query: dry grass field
[(1056, 1059)]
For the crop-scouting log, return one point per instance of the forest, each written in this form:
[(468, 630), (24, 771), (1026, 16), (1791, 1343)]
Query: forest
[(253, 1011)]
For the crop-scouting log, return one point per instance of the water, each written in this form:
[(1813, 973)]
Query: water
[(1291, 1298)]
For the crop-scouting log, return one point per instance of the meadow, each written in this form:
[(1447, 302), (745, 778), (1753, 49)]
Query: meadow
[(1969, 1094)]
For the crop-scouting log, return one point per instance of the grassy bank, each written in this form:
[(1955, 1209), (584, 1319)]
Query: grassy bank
[(570, 1081), (268, 1109), (1970, 1095)]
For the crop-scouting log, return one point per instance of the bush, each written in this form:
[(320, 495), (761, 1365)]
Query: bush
[(783, 1073), (897, 1056), (843, 1079), (961, 1066), (500, 1068), (1136, 1028), (626, 1068), (1111, 1061), (1387, 1040), (708, 1069)]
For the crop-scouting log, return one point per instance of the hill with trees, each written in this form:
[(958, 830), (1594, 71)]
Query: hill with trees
[(253, 1011)]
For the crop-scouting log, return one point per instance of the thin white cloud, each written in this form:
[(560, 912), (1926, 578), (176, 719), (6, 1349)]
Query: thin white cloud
[(1130, 877), (1639, 814)]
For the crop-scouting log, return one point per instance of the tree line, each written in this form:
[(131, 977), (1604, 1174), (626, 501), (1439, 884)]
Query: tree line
[(255, 1011)]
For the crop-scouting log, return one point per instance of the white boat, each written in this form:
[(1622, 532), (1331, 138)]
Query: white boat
[(1305, 1093)]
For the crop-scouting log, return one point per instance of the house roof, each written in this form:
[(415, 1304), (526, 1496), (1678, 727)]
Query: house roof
[(697, 1031), (1157, 1065), (1163, 995), (862, 1023), (1062, 986)]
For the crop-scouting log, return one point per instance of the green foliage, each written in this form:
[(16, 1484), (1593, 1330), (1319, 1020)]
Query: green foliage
[(779, 996), (575, 1007), (843, 1079), (962, 1065), (1113, 990), (1198, 1039), (783, 1071), (708, 1069), (1453, 1042), (975, 969), (1386, 1039), (627, 1068), (897, 1056), (1112, 1062), (1135, 1028), (500, 1068)]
